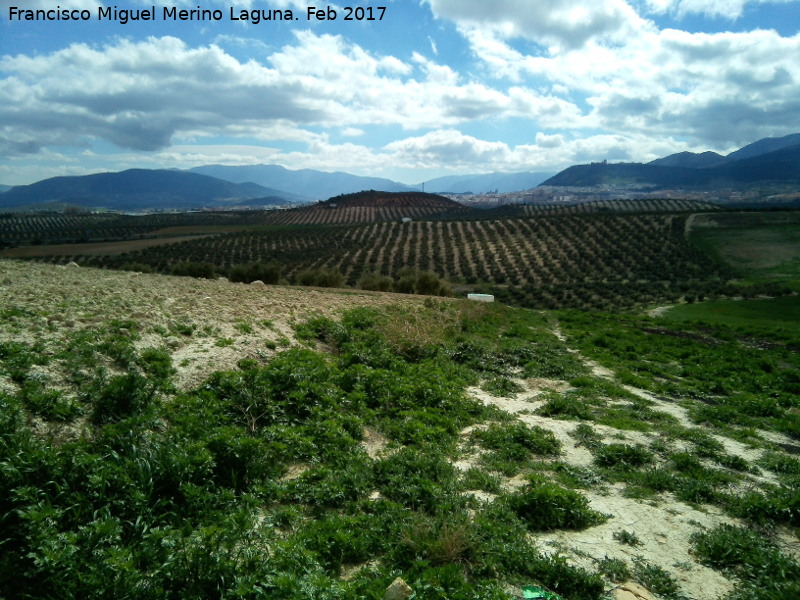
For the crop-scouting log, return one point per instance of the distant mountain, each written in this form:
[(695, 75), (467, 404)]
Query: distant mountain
[(712, 159), (307, 183), (136, 189), (691, 160), (756, 163), (480, 184), (4, 188), (764, 146)]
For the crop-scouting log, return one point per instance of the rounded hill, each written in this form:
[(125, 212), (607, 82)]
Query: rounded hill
[(371, 206), (393, 199)]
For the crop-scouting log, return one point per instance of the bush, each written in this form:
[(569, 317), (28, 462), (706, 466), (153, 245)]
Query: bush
[(419, 480), (321, 277), (546, 506), (517, 441), (751, 557), (193, 269), (622, 456), (375, 282), (269, 273), (121, 397)]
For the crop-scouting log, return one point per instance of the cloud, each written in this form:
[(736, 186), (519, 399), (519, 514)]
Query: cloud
[(659, 82), (141, 95), (564, 24), (728, 9)]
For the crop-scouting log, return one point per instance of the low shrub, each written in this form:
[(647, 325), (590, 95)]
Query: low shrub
[(546, 506), (622, 456), (269, 273)]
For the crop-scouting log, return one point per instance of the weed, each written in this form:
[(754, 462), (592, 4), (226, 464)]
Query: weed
[(502, 386), (546, 506), (586, 436), (517, 441), (565, 406), (656, 579), (622, 456), (243, 327), (751, 557), (627, 537), (478, 479), (614, 569), (576, 477)]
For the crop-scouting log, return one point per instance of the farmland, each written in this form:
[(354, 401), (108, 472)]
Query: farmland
[(761, 246), (600, 255)]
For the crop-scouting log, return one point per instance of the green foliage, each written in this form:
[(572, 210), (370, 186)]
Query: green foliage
[(269, 273), (375, 282), (627, 537), (546, 506), (193, 269), (419, 480), (478, 479), (502, 386), (255, 483), (614, 569), (321, 277), (656, 579), (120, 397), (517, 441), (622, 456), (565, 406)]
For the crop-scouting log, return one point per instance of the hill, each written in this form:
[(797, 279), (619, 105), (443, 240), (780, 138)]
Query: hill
[(712, 159), (764, 146), (778, 166), (690, 159), (383, 199), (135, 190), (490, 182), (370, 206), (305, 184)]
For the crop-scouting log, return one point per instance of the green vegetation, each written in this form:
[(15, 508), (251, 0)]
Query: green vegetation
[(762, 569), (781, 315), (759, 246), (191, 494), (589, 259), (355, 454)]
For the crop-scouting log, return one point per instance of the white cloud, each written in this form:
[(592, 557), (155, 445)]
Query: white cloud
[(718, 89), (728, 9), (141, 95), (559, 24)]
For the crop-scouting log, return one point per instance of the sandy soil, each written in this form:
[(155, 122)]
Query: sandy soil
[(230, 321)]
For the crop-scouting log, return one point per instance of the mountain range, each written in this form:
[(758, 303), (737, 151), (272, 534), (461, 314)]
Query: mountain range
[(770, 160), (766, 161), (138, 189)]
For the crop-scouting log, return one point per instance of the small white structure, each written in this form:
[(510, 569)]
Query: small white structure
[(406, 220), (481, 297)]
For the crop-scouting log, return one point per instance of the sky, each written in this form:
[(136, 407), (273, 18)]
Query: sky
[(425, 89)]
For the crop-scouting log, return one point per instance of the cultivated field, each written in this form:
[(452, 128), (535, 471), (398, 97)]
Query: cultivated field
[(174, 437), (591, 260)]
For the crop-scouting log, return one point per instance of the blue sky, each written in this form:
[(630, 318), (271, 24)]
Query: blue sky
[(436, 87)]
